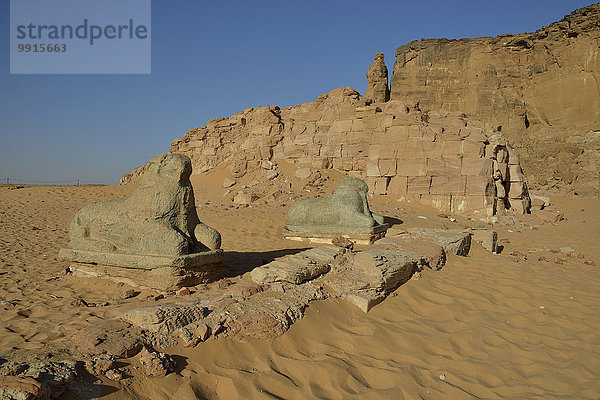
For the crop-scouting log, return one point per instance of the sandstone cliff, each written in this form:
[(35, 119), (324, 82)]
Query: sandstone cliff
[(542, 88), (442, 159)]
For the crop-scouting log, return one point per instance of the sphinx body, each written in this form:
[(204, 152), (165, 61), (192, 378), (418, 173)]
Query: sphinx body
[(347, 209), (159, 219)]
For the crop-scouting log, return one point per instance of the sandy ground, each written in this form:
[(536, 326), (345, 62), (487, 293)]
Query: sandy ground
[(485, 326)]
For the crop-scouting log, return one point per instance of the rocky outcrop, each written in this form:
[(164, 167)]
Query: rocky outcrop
[(542, 88), (442, 159), (377, 80)]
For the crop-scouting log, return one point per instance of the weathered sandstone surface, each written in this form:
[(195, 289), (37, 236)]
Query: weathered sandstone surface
[(543, 88), (442, 159), (377, 80)]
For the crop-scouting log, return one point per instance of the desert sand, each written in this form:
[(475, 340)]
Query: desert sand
[(485, 326)]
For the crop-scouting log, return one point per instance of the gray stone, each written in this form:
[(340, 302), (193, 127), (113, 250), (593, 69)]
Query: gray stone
[(345, 211), (156, 227)]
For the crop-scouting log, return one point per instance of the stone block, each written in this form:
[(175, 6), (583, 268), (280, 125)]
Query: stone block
[(296, 268), (352, 150), (419, 185), (381, 185), (331, 150), (341, 126), (475, 166), (437, 201), (519, 206), (451, 147), (414, 133), (503, 169), (411, 167), (517, 190), (442, 185), (513, 156), (474, 149), (358, 125), (360, 164), (515, 173), (343, 163), (436, 167), (453, 165), (429, 135), (387, 167), (397, 134), (372, 169), (480, 186), (398, 186), (487, 238), (500, 189)]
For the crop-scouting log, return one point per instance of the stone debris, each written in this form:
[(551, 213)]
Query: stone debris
[(244, 198), (115, 374), (453, 241), (157, 228), (128, 294), (368, 276), (266, 301), (100, 364), (227, 183), (165, 318), (40, 380), (113, 337), (297, 268), (155, 363), (487, 238), (590, 262)]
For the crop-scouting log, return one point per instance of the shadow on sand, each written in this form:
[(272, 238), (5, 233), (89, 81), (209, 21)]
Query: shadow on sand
[(238, 263)]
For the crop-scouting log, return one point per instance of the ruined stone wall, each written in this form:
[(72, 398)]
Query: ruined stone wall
[(440, 159), (542, 88)]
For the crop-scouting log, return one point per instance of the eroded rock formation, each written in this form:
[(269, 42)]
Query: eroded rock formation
[(543, 88), (377, 80)]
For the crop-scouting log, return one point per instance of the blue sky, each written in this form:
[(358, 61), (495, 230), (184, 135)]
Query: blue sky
[(213, 59)]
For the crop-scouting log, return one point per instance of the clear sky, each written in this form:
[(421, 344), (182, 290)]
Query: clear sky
[(213, 59)]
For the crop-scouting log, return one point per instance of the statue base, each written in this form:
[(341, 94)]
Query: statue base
[(160, 279), (325, 234)]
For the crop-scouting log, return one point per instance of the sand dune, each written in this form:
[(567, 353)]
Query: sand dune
[(485, 326)]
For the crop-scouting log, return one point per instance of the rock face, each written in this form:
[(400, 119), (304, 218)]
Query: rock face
[(541, 87), (441, 159), (377, 80), (157, 227)]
